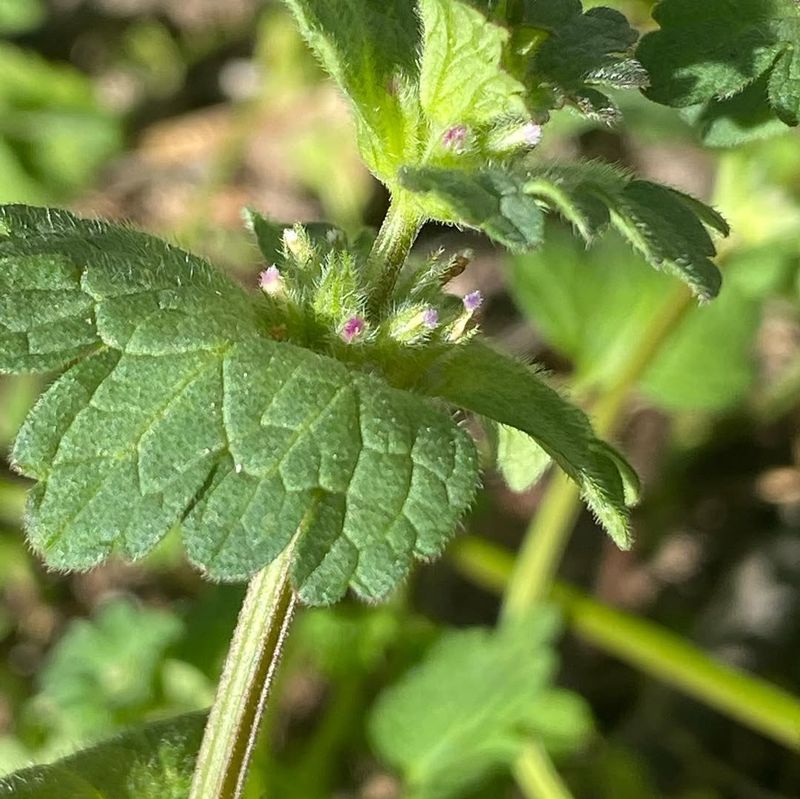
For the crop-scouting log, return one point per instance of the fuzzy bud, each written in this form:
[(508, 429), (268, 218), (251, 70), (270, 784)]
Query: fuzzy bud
[(271, 281), (352, 329), (455, 138)]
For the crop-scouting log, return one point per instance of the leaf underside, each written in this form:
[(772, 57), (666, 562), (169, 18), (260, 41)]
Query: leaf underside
[(181, 413)]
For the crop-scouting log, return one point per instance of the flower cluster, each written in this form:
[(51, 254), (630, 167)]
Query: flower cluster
[(317, 293)]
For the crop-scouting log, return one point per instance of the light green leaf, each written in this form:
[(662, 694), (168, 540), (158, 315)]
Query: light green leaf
[(18, 16), (152, 762), (470, 706), (591, 305), (371, 51), (184, 414), (103, 672), (492, 200), (461, 79), (716, 49), (53, 128), (482, 380), (520, 460)]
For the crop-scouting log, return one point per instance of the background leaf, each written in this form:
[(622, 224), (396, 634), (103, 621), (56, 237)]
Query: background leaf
[(471, 704)]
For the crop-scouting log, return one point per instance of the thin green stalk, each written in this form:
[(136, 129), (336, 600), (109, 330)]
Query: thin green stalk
[(390, 250), (543, 547), (536, 776), (245, 684), (549, 530), (650, 648)]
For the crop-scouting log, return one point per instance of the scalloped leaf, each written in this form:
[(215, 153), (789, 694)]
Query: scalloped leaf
[(714, 50), (182, 413)]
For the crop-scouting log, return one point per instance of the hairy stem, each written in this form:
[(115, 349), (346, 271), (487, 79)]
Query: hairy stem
[(390, 250), (536, 776), (245, 684), (549, 530)]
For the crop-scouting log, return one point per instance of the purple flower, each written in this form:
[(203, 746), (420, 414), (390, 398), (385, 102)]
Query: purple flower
[(473, 301), (352, 328), (270, 280), (454, 138), (430, 317)]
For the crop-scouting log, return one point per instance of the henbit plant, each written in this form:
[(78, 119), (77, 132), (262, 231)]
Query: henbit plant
[(303, 437)]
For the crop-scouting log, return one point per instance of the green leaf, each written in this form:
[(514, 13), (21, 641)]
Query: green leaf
[(591, 305), (716, 49), (482, 380), (520, 460), (461, 80), (103, 672), (152, 762), (578, 53), (470, 706), (371, 51), (67, 284), (666, 226), (732, 121), (54, 133), (19, 16), (184, 414), (492, 200)]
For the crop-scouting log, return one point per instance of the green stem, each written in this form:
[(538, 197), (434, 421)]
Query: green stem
[(245, 684), (548, 532), (390, 250), (535, 775), (543, 547), (650, 648)]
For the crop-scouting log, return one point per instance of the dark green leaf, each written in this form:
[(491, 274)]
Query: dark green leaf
[(716, 49), (482, 380), (665, 225), (183, 413), (578, 53), (492, 200)]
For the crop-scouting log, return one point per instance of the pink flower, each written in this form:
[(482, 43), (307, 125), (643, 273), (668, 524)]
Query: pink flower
[(270, 280), (352, 328), (454, 138)]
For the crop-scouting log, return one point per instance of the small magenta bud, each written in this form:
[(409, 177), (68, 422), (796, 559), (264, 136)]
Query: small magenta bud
[(473, 301), (454, 138), (430, 318), (352, 328), (271, 281)]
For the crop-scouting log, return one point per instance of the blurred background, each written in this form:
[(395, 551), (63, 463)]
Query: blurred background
[(174, 114)]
